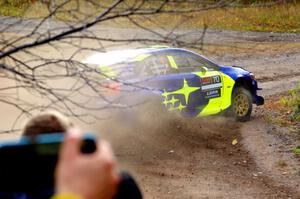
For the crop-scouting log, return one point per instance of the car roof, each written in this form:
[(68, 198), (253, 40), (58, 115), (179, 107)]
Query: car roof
[(120, 56), (117, 56)]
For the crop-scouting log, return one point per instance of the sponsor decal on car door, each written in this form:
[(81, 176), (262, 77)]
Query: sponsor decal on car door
[(211, 88)]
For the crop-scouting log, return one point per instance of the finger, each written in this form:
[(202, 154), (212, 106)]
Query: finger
[(107, 156), (71, 145), (116, 178), (107, 160), (105, 152)]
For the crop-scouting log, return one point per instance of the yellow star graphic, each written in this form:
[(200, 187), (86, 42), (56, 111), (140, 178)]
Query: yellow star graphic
[(165, 94), (172, 108), (180, 107), (173, 101), (186, 90), (165, 102)]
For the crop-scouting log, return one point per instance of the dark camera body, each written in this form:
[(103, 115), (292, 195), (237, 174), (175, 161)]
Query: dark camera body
[(27, 167)]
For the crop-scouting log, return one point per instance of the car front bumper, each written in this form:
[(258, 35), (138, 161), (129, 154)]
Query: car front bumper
[(259, 100)]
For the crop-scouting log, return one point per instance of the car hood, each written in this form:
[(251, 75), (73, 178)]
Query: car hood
[(234, 71)]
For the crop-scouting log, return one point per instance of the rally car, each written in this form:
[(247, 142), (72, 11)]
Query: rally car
[(186, 81)]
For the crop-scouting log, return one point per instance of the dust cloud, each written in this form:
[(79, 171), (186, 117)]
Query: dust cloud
[(150, 130)]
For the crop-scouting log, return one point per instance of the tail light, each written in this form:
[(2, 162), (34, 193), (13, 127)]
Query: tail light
[(111, 89)]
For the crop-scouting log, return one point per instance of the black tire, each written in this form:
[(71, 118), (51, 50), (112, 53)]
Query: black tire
[(241, 104)]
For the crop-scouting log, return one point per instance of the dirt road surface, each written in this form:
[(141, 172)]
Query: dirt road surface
[(173, 157), (179, 158)]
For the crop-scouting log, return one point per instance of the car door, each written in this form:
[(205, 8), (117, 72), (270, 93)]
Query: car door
[(192, 84)]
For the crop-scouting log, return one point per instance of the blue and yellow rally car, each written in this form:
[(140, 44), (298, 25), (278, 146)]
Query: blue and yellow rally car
[(185, 80)]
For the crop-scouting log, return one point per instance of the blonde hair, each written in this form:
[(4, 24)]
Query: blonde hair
[(47, 122)]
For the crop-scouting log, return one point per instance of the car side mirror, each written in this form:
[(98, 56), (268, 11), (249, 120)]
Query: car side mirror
[(204, 69)]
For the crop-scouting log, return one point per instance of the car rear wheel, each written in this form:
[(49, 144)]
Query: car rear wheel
[(241, 106)]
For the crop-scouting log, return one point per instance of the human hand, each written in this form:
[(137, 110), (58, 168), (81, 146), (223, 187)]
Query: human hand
[(90, 176)]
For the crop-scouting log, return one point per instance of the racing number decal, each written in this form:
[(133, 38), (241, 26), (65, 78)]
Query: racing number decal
[(212, 80), (216, 79), (211, 86)]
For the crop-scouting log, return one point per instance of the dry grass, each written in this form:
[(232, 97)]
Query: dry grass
[(277, 18), (285, 110), (281, 163), (249, 48)]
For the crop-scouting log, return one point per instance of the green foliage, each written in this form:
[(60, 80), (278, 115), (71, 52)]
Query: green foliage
[(292, 101), (17, 3), (296, 150), (14, 7), (285, 110)]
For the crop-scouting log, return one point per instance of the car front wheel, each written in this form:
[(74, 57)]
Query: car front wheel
[(241, 106)]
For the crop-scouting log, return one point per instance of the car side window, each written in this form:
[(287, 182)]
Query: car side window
[(196, 62), (188, 62), (181, 61), (152, 65)]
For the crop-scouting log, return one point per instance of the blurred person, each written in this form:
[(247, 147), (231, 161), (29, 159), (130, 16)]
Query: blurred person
[(47, 122), (77, 175)]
